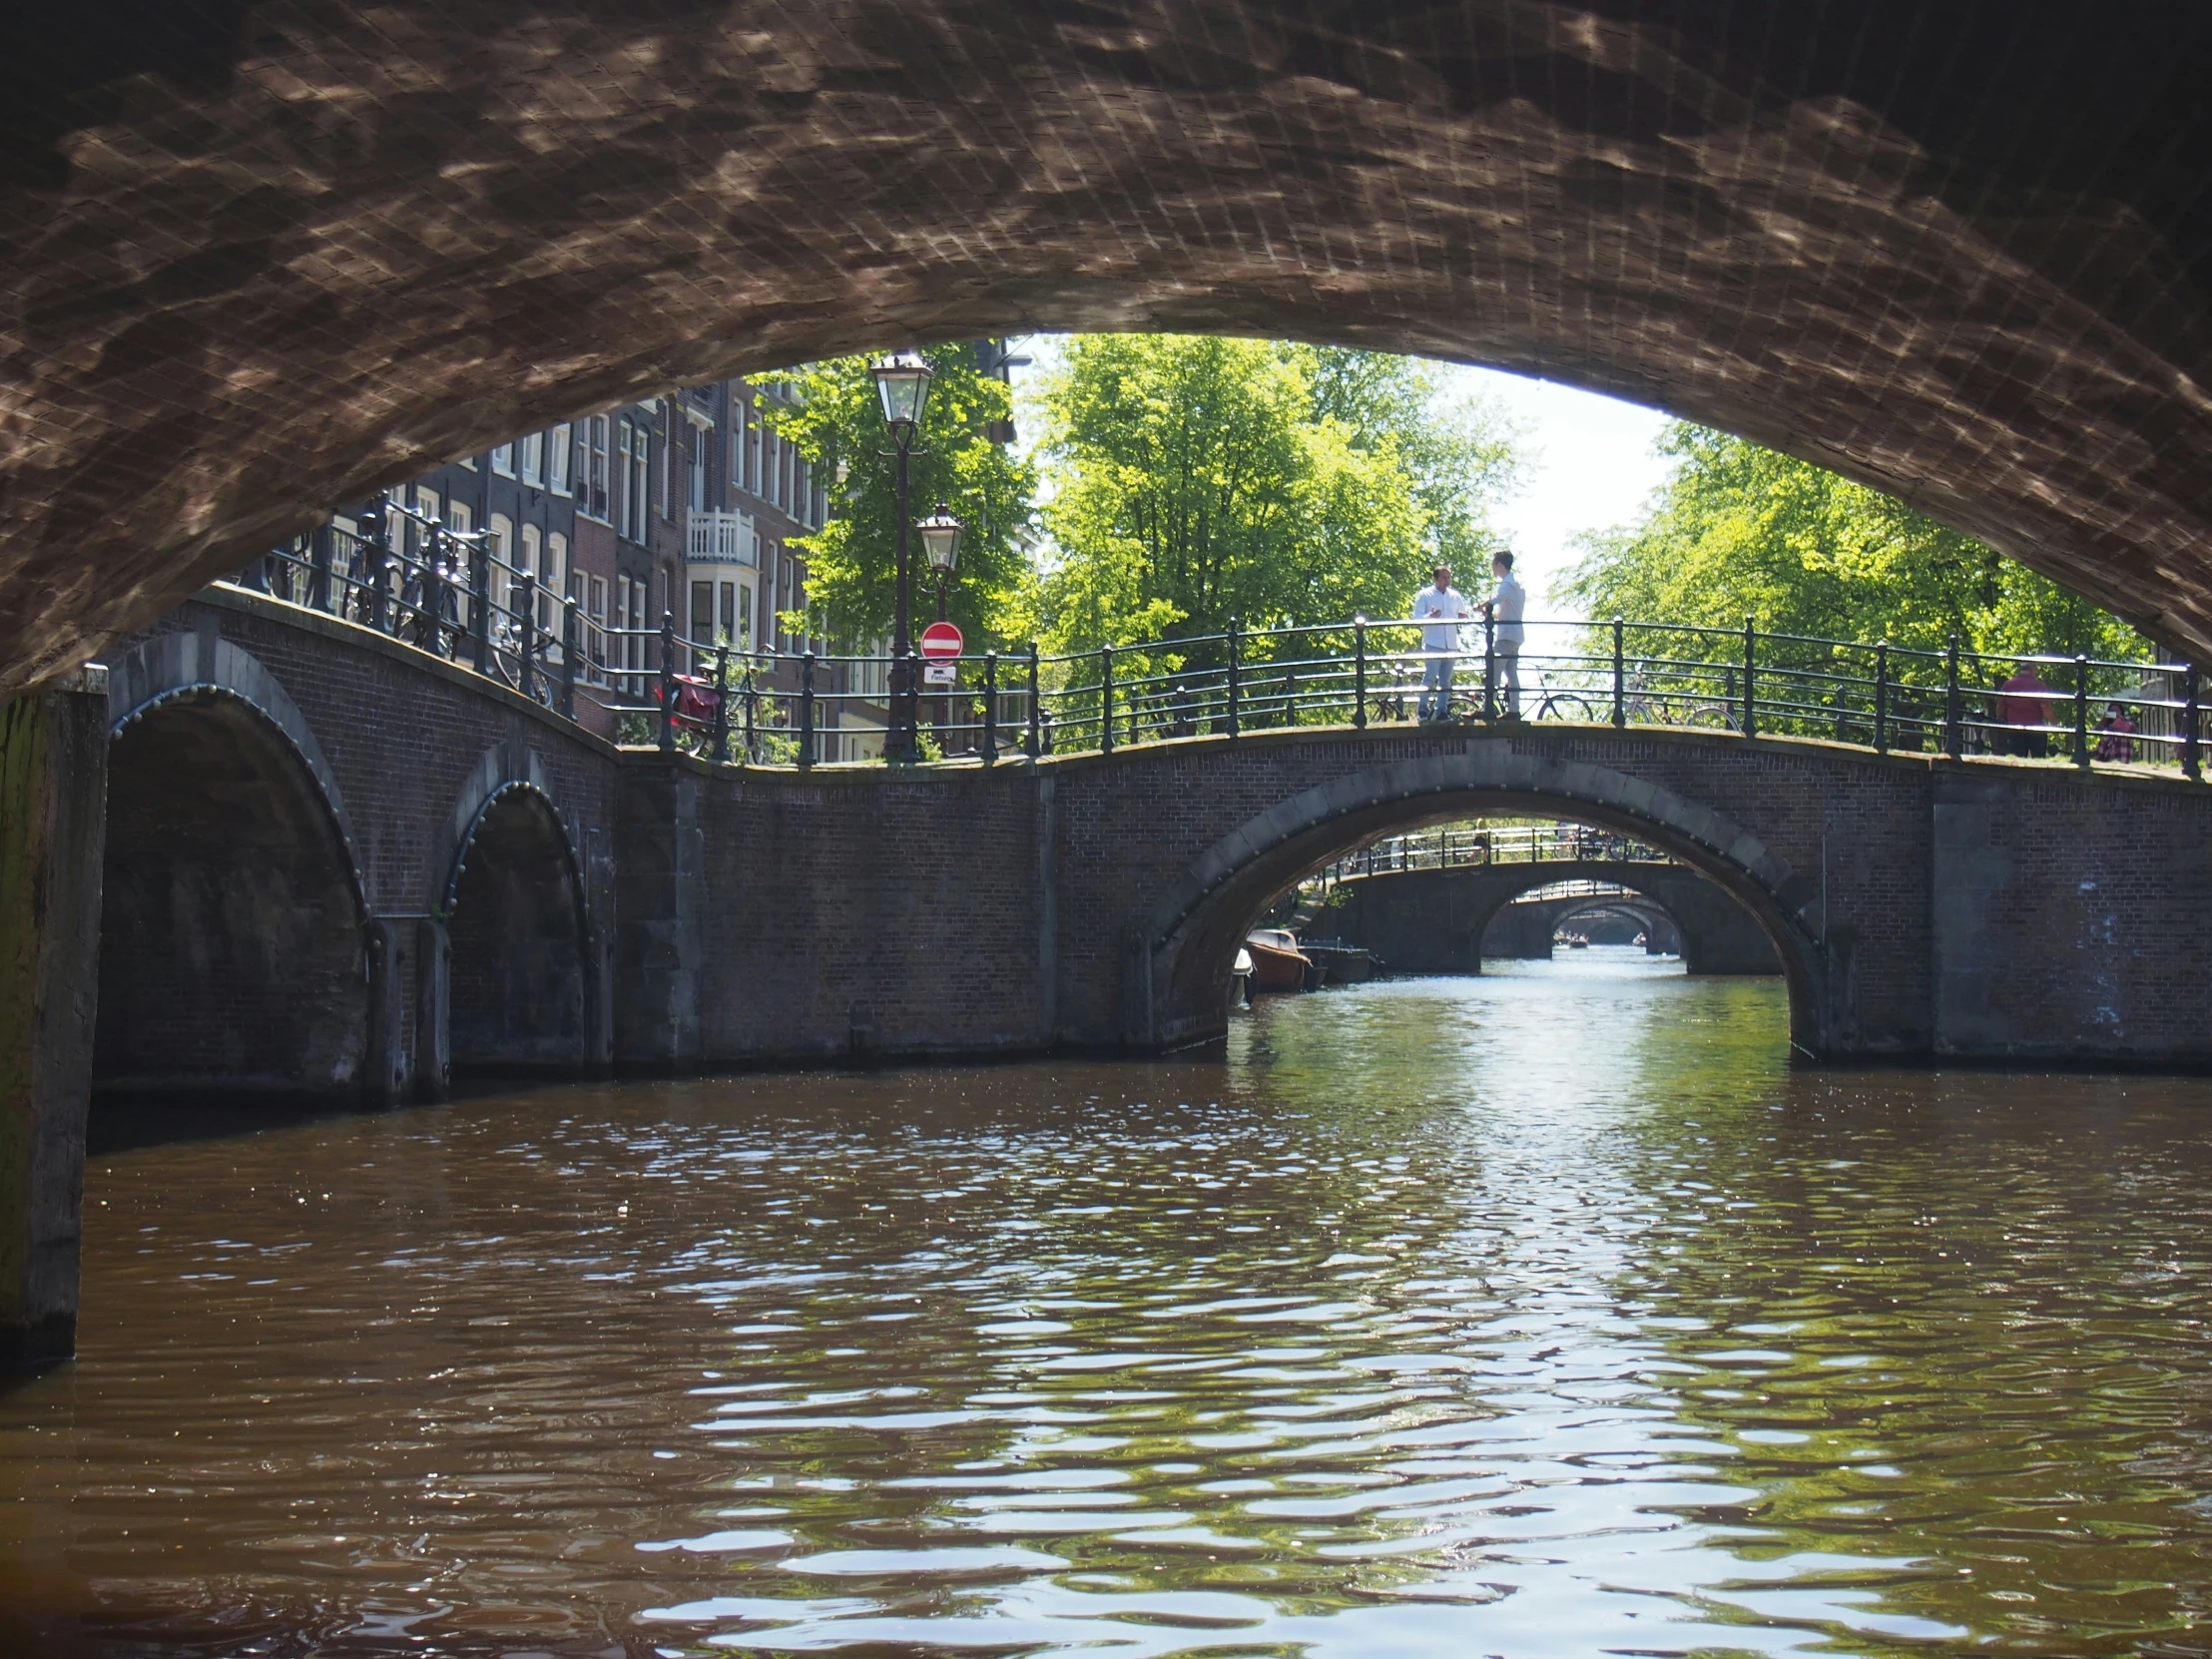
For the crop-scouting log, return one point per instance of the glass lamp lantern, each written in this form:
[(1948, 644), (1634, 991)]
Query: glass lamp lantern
[(940, 539), (903, 382)]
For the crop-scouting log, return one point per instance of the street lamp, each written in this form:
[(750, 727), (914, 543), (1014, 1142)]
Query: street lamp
[(941, 543), (903, 382)]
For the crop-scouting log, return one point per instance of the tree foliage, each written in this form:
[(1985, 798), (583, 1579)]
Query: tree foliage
[(1199, 479), (836, 422), (1742, 530)]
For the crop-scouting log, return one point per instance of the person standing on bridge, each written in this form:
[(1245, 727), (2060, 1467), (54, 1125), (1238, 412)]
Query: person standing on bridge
[(1504, 608), (1443, 608), (2023, 706)]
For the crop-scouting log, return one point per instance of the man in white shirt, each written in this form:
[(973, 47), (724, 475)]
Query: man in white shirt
[(1504, 608), (1443, 608)]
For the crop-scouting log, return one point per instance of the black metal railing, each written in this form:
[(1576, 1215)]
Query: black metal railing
[(452, 594), (1462, 847)]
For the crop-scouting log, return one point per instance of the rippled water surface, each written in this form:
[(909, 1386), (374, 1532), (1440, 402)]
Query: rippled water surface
[(1547, 1314)]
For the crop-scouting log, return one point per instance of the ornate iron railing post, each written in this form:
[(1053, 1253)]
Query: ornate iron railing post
[(429, 629), (807, 710), (1236, 673), (667, 681), (1950, 699), (2081, 712), (379, 575), (526, 609), (479, 601), (1490, 669), (571, 632), (2191, 760), (1031, 743), (990, 706), (319, 577), (1360, 674), (1751, 701), (1620, 674), (1105, 700), (1882, 697), (720, 749)]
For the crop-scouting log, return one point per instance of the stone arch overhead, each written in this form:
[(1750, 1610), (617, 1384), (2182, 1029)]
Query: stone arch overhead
[(505, 768), (171, 668), (1171, 991)]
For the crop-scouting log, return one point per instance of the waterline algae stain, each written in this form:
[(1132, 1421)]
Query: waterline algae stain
[(1542, 1315)]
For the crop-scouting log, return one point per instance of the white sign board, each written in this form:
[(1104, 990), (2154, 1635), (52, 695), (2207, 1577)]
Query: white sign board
[(941, 674)]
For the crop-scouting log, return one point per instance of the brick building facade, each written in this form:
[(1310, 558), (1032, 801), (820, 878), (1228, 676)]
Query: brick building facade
[(685, 507)]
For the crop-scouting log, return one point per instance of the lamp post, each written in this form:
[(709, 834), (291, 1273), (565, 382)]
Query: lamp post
[(903, 382), (941, 543), (941, 536)]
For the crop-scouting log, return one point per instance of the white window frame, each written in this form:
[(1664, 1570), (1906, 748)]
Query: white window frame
[(503, 460), (559, 455), (533, 459)]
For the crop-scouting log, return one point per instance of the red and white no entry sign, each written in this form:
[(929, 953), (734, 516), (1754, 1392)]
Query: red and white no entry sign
[(940, 638)]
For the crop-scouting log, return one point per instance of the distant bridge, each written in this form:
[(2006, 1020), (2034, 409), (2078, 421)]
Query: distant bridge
[(1447, 919)]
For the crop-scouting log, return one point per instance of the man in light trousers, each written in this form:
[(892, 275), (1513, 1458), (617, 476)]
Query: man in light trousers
[(1505, 608), (1443, 608)]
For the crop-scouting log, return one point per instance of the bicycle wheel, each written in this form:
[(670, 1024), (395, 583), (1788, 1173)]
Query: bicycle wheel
[(1564, 706)]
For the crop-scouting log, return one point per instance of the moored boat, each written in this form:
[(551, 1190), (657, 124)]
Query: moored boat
[(1340, 963), (1277, 962)]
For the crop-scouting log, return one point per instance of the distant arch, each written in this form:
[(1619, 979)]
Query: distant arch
[(514, 902), (1180, 957)]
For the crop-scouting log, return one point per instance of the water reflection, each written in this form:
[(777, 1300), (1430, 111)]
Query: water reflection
[(1545, 1314)]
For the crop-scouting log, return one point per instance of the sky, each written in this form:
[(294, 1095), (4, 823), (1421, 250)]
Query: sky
[(1590, 465)]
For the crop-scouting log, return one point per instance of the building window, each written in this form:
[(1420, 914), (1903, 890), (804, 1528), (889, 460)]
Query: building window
[(703, 613), (744, 633), (533, 460), (502, 564), (667, 464), (503, 460), (470, 461), (694, 494), (753, 440), (636, 450), (595, 627), (557, 573), (557, 471), (593, 489)]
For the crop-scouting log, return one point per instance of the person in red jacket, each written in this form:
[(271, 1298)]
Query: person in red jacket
[(2023, 705), (2115, 735)]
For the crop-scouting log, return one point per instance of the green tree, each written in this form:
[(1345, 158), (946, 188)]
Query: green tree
[(1742, 530), (1197, 478), (1463, 459), (835, 419)]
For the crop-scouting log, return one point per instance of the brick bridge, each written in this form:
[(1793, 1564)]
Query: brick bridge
[(1448, 921), (336, 867)]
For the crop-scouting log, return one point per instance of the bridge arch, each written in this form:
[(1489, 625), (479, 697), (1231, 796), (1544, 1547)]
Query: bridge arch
[(522, 974), (1482, 933), (1181, 953), (1955, 253), (233, 956)]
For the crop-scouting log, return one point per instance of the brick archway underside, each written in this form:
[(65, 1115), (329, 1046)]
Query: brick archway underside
[(265, 257)]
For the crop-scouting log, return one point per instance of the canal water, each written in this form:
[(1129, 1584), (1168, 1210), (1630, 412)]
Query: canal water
[(1542, 1315)]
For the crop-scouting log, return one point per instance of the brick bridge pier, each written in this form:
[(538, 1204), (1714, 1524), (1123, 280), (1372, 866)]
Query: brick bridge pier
[(334, 867)]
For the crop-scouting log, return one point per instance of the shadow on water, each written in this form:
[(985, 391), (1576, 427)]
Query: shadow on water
[(1546, 1313)]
